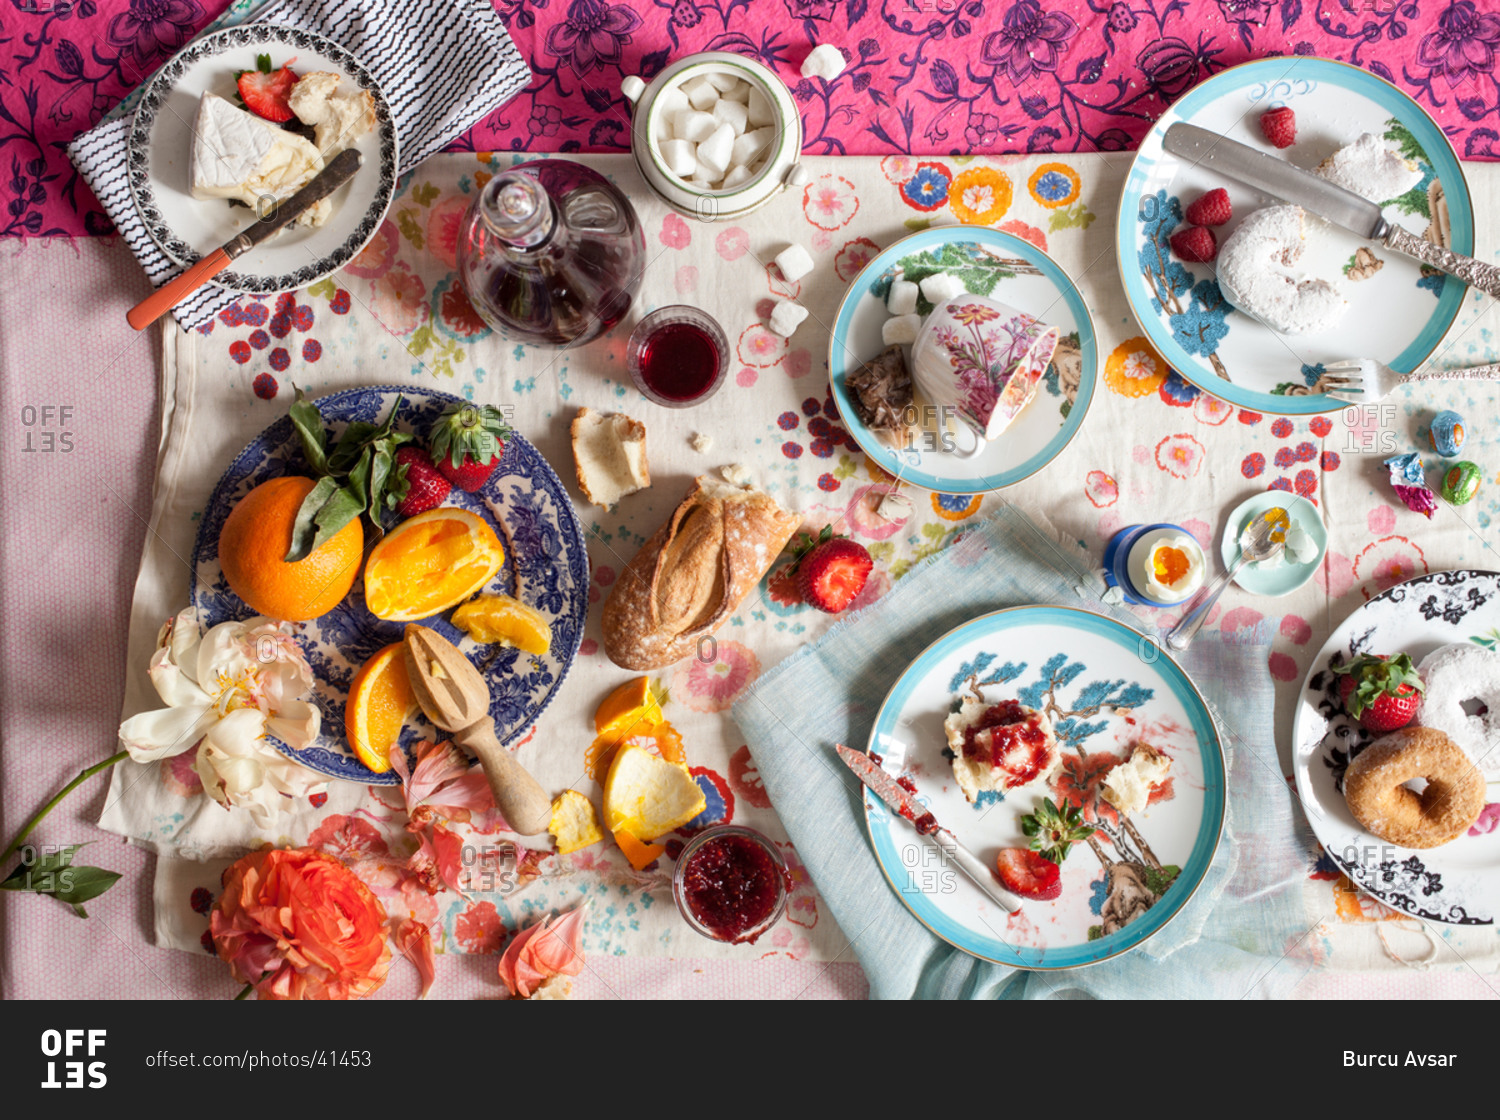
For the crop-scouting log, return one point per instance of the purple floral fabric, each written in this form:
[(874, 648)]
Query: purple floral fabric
[(935, 77)]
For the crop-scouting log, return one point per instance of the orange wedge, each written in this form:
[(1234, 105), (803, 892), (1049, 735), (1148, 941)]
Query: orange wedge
[(380, 700), (640, 855), (430, 562), (574, 824), (499, 618), (647, 796), (632, 702)]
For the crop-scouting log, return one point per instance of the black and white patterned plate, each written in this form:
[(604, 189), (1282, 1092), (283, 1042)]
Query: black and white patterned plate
[(159, 148), (1458, 883)]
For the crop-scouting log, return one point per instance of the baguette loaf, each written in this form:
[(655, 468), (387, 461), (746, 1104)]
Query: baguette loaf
[(693, 573)]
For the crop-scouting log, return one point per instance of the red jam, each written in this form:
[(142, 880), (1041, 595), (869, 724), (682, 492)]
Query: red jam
[(907, 784), (926, 824), (731, 886), (1009, 737)]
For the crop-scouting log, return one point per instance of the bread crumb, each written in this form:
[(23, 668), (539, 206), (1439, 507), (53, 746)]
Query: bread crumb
[(701, 442), (737, 473)]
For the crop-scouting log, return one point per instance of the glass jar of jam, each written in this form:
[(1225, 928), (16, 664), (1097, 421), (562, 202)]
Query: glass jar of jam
[(731, 884)]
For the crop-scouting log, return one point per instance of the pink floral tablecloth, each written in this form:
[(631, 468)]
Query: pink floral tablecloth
[(923, 76)]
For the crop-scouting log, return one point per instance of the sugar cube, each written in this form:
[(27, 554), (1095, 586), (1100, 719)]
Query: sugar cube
[(679, 158), (693, 126), (714, 153), (722, 81), (735, 176), (794, 261), (900, 329), (740, 92), (671, 101), (752, 145), (762, 112), (663, 130), (703, 182), (700, 93), (632, 87), (940, 286), (903, 297), (786, 316), (826, 61), (731, 113)]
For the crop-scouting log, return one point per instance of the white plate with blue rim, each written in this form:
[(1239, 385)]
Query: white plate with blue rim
[(1398, 315), (1120, 886), (1459, 882), (546, 566), (1006, 268)]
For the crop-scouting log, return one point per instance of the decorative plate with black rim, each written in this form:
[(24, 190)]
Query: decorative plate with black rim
[(159, 151), (1458, 883), (1120, 885), (546, 567)]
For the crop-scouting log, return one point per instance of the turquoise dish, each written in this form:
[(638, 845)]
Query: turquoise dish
[(1285, 578)]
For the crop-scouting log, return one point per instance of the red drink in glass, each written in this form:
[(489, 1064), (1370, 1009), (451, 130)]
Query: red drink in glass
[(677, 356)]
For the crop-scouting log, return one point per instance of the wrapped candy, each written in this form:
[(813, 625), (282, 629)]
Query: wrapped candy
[(1447, 433), (1406, 470), (1461, 482), (1418, 499)]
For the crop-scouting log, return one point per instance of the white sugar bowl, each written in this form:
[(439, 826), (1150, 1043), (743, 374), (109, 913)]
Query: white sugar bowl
[(713, 190)]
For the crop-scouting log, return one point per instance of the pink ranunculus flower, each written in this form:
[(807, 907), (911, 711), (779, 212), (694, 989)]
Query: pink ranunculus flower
[(541, 952)]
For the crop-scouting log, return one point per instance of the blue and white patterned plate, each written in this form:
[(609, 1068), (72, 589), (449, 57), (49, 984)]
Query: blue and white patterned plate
[(1120, 886), (1011, 270), (546, 567), (1396, 316), (1458, 883), (186, 228)]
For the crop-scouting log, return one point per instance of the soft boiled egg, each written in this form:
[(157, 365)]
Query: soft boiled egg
[(1166, 567)]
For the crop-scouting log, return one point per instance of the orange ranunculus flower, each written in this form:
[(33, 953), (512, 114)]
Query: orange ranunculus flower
[(298, 924)]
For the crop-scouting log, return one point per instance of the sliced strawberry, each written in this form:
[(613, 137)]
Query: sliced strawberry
[(426, 487), (265, 91), (833, 573), (1027, 874)]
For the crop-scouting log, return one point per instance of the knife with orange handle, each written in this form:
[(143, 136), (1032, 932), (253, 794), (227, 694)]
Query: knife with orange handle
[(339, 171)]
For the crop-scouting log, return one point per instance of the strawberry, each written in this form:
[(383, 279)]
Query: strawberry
[(1280, 126), (1211, 209), (1028, 875), (1383, 693), (1054, 829), (426, 487), (467, 441), (831, 570), (1195, 244), (265, 91)]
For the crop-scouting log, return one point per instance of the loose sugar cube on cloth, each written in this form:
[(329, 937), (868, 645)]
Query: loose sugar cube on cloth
[(693, 126), (632, 87), (900, 330), (732, 113), (714, 153), (826, 61), (941, 286), (795, 262), (762, 112), (903, 297), (786, 316), (701, 93), (679, 158)]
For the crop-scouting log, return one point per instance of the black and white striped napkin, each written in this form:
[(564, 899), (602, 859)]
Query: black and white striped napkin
[(442, 64)]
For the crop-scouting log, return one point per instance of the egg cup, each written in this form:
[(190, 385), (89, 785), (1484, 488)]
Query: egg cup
[(1126, 555)]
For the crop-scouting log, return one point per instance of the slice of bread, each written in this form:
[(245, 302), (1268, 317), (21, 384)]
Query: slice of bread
[(609, 453)]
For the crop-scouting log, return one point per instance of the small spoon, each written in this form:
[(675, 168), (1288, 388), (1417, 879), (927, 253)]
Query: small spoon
[(1262, 538)]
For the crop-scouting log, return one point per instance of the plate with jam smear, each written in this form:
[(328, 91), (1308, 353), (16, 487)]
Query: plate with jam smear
[(1104, 691), (998, 266)]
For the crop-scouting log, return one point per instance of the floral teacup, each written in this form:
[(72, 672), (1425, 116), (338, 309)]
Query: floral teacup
[(981, 361)]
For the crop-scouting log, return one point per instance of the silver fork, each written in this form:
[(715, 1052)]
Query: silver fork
[(1364, 380)]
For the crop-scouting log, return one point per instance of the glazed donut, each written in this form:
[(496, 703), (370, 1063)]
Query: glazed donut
[(1375, 787), (1255, 274), (1456, 674)]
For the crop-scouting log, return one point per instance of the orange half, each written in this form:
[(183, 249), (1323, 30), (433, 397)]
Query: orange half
[(429, 563), (380, 700)]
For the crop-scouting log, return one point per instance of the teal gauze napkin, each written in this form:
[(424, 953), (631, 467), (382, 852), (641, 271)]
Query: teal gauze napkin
[(1232, 940)]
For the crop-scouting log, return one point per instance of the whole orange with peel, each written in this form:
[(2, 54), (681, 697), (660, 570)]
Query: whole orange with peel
[(380, 700), (429, 563), (255, 539)]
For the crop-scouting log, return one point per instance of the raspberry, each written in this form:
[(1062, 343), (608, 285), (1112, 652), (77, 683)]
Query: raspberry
[(1212, 209), (1280, 126), (1195, 244)]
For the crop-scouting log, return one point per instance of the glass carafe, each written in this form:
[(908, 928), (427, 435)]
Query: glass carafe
[(551, 253)]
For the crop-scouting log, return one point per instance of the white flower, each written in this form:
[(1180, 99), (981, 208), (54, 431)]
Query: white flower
[(228, 689)]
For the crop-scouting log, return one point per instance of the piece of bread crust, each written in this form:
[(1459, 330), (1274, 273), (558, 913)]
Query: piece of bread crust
[(609, 456), (693, 573)]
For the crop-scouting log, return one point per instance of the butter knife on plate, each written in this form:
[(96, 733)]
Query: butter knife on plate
[(906, 805), (339, 171), (1317, 195)]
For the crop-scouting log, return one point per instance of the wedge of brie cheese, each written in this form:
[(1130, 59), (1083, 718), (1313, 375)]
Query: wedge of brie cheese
[(237, 155)]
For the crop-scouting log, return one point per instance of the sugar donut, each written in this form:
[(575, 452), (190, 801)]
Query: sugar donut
[(1455, 674), (1375, 787), (1370, 169), (1254, 274)]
